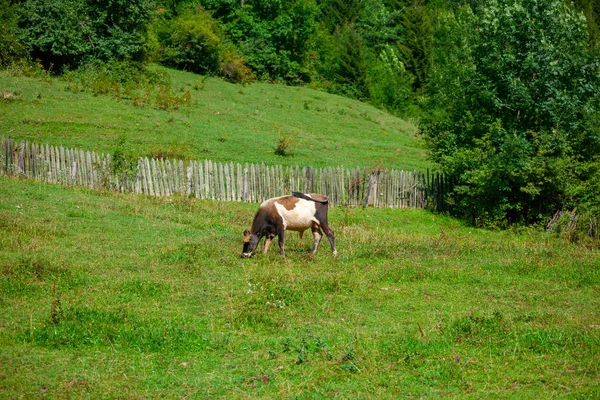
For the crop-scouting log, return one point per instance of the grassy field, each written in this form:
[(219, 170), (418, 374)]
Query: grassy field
[(118, 296), (220, 122)]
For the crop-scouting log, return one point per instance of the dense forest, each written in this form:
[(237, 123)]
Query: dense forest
[(505, 91)]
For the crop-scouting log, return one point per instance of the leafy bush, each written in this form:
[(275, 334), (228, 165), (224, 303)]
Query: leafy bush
[(517, 87), (284, 145), (193, 40), (64, 33), (234, 68), (122, 160), (190, 41), (11, 49)]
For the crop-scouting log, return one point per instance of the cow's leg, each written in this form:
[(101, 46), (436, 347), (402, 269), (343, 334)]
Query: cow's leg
[(300, 235), (268, 240), (317, 235), (329, 232), (281, 235)]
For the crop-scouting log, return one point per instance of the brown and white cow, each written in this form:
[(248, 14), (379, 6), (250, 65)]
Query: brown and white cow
[(297, 212)]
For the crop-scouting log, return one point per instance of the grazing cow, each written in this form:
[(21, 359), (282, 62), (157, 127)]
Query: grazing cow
[(297, 212)]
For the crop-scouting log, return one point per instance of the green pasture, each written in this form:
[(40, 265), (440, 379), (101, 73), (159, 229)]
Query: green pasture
[(105, 295), (220, 122)]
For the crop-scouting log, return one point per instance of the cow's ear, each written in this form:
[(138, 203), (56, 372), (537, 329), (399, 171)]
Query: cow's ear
[(246, 236)]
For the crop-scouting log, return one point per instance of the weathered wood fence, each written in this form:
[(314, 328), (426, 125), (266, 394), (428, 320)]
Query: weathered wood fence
[(222, 181)]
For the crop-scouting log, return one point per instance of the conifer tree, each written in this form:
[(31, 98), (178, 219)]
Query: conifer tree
[(417, 41), (591, 10)]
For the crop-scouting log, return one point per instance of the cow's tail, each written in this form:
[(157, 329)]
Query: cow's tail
[(322, 200)]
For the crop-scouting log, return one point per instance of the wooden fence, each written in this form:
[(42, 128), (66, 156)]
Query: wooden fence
[(222, 181)]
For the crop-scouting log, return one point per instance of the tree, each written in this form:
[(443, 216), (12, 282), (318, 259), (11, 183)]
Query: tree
[(416, 42), (591, 10), (388, 81), (120, 27), (11, 48), (352, 60), (190, 41), (65, 32), (338, 13), (515, 87), (274, 36)]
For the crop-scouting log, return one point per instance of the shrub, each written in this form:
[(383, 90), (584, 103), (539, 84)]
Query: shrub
[(283, 147), (11, 49), (122, 161), (191, 41), (65, 33), (234, 68)]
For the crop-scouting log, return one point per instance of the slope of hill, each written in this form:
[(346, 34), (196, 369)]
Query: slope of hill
[(221, 122)]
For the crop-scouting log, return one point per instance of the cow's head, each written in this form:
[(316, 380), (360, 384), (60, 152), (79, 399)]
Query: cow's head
[(250, 242)]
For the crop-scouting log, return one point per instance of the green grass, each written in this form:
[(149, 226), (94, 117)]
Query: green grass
[(222, 122), (119, 296)]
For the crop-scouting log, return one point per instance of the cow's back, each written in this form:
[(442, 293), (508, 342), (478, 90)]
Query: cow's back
[(296, 214)]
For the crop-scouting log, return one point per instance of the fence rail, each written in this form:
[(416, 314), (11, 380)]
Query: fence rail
[(354, 187)]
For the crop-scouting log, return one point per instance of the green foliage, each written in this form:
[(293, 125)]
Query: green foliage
[(519, 94), (234, 68), (58, 32), (11, 49), (190, 41), (359, 48), (275, 37), (389, 82), (416, 43), (352, 73), (193, 40), (380, 25), (346, 67), (284, 145), (336, 13), (120, 28), (338, 44), (591, 10), (62, 33), (121, 159)]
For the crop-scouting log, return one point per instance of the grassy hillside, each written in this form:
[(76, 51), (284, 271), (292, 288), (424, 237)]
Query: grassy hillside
[(115, 296), (222, 122)]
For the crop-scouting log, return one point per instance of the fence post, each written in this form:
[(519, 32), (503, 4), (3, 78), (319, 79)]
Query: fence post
[(240, 183), (246, 195), (252, 184), (3, 155), (227, 195)]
